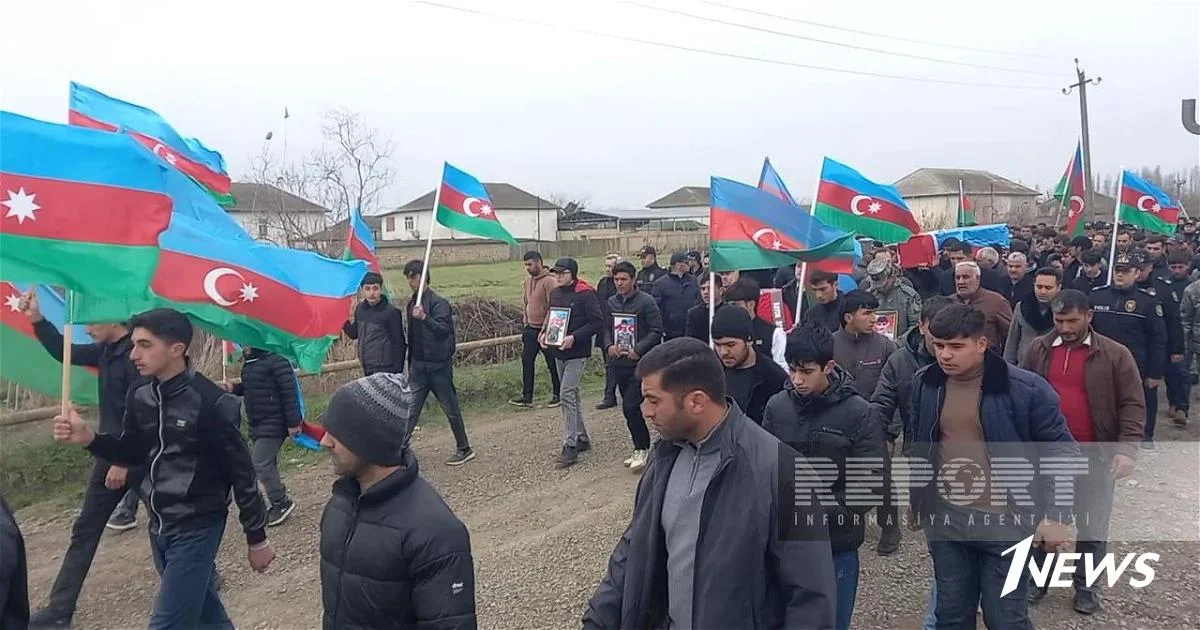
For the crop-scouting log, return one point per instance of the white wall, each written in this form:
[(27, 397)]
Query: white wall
[(280, 230), (522, 224), (941, 212)]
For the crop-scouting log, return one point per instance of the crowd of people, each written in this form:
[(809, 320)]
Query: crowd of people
[(736, 387)]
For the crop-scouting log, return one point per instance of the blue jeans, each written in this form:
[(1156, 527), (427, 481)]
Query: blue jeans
[(845, 570), (930, 621), (187, 590), (969, 573)]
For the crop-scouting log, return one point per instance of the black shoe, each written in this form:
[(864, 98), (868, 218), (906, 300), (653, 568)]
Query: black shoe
[(279, 512), (49, 618), (607, 403), (524, 403), (889, 541), (583, 446), (568, 457), (121, 521), (1087, 602), (554, 402), (460, 457), (1036, 593)]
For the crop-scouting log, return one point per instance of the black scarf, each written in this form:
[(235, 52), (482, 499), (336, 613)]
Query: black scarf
[(1031, 310)]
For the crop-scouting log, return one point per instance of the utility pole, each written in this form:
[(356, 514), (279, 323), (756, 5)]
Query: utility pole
[(1082, 83)]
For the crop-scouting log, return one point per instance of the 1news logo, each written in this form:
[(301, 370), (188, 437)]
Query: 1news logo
[(1058, 568)]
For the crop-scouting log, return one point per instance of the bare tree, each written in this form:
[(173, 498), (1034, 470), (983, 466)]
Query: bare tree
[(353, 166), (568, 204), (275, 223)]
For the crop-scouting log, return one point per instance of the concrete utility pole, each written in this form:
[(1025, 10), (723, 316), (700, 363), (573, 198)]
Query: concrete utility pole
[(1082, 83)]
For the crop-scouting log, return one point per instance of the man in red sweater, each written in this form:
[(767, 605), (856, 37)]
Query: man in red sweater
[(1101, 396)]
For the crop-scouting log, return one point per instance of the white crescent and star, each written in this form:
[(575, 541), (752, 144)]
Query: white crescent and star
[(165, 153), (1153, 207), (21, 205), (872, 208), (485, 209), (248, 292), (1076, 209), (762, 232), (13, 302)]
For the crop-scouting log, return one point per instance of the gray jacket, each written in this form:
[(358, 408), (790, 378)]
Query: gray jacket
[(1022, 332), (750, 572), (862, 356), (1189, 315)]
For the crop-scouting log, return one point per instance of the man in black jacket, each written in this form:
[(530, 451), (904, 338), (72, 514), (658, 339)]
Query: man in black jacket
[(572, 345), (393, 554), (105, 496), (379, 329), (623, 347), (431, 346), (823, 417), (675, 293), (650, 272), (189, 428), (270, 393), (1092, 273), (14, 576), (697, 316), (715, 540), (751, 377), (826, 312), (605, 289)]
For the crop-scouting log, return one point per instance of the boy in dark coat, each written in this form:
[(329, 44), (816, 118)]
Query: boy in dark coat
[(379, 328)]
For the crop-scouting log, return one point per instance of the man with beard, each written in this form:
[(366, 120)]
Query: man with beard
[(535, 296), (650, 272), (1169, 295), (393, 554), (751, 377), (675, 293), (884, 282), (768, 338), (605, 289), (1017, 283), (996, 310), (1078, 246), (1032, 317)]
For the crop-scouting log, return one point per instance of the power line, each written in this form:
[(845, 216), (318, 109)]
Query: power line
[(728, 55), (880, 35), (835, 43)]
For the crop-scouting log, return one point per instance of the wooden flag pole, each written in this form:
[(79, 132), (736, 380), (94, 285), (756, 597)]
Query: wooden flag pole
[(68, 335), (1112, 250), (437, 198), (712, 306)]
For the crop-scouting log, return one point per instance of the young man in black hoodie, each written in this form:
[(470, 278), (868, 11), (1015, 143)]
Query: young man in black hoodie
[(186, 428), (431, 346), (624, 350), (110, 492), (751, 377), (823, 417), (697, 316), (585, 319), (379, 328), (826, 309)]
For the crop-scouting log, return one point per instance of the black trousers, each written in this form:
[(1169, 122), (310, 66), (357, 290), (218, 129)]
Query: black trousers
[(630, 387), (98, 504), (439, 379), (529, 354), (887, 513)]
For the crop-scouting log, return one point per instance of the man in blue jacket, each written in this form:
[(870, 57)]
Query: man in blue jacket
[(969, 408), (712, 542)]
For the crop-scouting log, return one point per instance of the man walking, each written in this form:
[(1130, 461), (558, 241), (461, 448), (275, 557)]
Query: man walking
[(826, 310), (188, 427), (1032, 317), (895, 297), (1017, 283), (585, 318), (768, 338), (697, 317), (379, 329), (704, 547), (624, 348), (393, 554), (650, 272), (1154, 278), (605, 289), (969, 407), (1091, 273), (431, 346), (110, 494), (997, 313), (675, 293), (1097, 381), (535, 298), (822, 416), (751, 377)]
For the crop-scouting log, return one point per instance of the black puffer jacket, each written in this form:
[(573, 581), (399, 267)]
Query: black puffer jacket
[(892, 393), (586, 321), (770, 379), (187, 430), (827, 316), (271, 394), (675, 295), (395, 556), (649, 324), (834, 426), (431, 341), (111, 360), (14, 575), (379, 329)]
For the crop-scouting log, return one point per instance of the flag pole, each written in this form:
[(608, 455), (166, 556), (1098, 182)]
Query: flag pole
[(68, 335), (802, 279), (437, 198), (225, 355), (1112, 250), (961, 213), (712, 305)]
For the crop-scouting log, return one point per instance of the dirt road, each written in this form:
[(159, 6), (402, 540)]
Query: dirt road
[(542, 537)]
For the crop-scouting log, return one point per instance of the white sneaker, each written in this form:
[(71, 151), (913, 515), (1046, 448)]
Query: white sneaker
[(629, 460), (637, 463)]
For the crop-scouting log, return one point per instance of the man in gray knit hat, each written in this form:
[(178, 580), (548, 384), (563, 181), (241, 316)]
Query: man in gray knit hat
[(392, 552)]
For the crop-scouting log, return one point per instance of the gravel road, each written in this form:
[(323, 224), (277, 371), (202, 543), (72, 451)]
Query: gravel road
[(542, 537)]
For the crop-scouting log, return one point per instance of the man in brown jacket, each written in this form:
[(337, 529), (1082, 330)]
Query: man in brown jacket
[(1100, 393), (997, 312), (536, 300)]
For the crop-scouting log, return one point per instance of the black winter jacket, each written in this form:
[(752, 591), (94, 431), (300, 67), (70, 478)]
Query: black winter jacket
[(187, 430), (675, 295), (605, 289), (379, 329), (117, 372), (270, 393), (14, 575), (431, 341), (697, 321), (647, 276), (828, 316), (771, 379), (395, 556), (890, 399), (587, 318), (834, 426), (649, 324), (749, 573)]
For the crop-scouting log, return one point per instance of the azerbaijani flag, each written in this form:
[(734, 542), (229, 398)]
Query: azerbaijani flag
[(23, 359), (769, 181), (1145, 205), (1071, 193), (80, 209), (966, 212), (464, 205), (229, 350), (751, 229), (360, 243), (91, 108), (849, 201), (840, 262)]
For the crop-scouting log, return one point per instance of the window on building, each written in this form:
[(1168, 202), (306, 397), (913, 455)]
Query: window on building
[(262, 227), (391, 224), (408, 223)]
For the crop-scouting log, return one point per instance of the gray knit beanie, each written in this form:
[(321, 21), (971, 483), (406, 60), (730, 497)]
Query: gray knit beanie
[(373, 416)]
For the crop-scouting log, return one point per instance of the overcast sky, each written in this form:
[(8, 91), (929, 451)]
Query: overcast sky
[(622, 123)]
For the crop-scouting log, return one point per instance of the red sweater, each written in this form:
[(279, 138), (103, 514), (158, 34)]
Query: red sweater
[(1066, 376)]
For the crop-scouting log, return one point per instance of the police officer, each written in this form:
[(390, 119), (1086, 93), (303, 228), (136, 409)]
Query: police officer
[(1134, 319), (1169, 294)]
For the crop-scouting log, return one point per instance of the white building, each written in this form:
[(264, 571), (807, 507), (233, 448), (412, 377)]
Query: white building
[(932, 195), (273, 215), (526, 216)]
